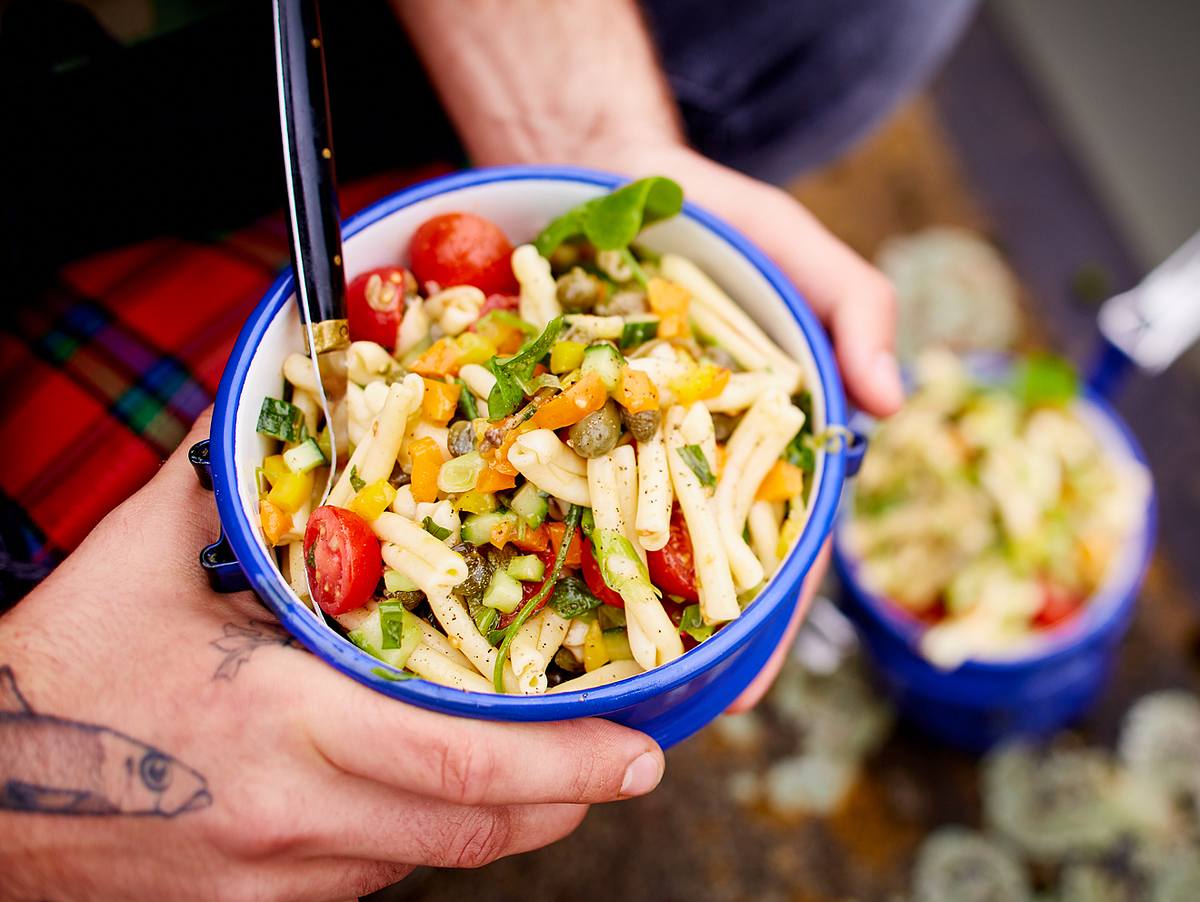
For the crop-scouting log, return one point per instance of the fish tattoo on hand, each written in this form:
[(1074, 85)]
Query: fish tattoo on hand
[(50, 765)]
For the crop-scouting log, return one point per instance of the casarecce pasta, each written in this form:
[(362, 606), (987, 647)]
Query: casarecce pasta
[(549, 464)]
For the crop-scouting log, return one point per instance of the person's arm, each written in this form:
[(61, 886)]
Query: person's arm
[(577, 82), (160, 741)]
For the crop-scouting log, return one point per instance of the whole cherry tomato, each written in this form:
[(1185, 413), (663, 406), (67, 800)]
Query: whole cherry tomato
[(672, 568), (375, 304), (463, 249), (595, 580), (342, 557)]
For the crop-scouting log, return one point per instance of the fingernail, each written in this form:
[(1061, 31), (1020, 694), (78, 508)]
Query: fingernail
[(641, 776)]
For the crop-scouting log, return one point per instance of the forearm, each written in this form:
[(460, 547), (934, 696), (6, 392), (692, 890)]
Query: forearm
[(531, 80)]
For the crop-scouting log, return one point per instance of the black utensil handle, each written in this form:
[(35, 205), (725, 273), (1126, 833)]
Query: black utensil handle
[(308, 159)]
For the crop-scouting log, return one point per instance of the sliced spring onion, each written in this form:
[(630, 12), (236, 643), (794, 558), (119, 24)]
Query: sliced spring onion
[(438, 532), (698, 464), (692, 623), (459, 474)]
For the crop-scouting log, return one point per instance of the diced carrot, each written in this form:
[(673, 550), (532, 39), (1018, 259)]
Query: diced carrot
[(783, 482), (440, 400), (670, 301), (574, 551), (499, 458), (572, 405), (441, 359), (275, 521), (532, 539), (426, 462), (635, 391), (492, 480)]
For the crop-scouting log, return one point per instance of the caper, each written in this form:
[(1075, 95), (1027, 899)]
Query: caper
[(597, 433), (462, 438), (723, 426), (578, 290), (625, 302), (721, 357), (643, 424), (479, 572)]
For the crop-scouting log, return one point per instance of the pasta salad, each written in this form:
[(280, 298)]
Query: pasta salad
[(991, 511), (558, 465)]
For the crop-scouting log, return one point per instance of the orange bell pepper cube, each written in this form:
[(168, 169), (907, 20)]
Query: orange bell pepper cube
[(502, 533), (574, 556), (569, 407), (492, 480), (670, 301), (783, 482), (426, 463), (532, 539), (442, 358), (439, 401), (635, 391), (275, 521)]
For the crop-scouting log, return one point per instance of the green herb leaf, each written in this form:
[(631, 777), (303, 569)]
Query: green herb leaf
[(692, 623), (698, 464), (438, 532), (613, 221), (506, 318), (466, 401), (571, 597), (310, 556), (587, 522), (1044, 380), (514, 372), (281, 420), (395, 676), (485, 618), (391, 621), (639, 332), (799, 452), (356, 481)]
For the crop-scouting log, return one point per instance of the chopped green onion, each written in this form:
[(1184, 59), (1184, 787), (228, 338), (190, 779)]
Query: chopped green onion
[(459, 474), (485, 618), (1044, 380), (698, 464), (438, 532), (356, 482), (281, 420)]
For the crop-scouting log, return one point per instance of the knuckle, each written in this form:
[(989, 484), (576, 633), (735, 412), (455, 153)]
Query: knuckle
[(482, 839), (462, 771)]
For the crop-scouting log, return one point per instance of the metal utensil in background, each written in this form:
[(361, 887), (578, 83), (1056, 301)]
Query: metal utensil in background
[(313, 219)]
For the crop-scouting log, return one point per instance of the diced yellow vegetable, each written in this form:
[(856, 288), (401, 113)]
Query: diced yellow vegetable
[(595, 651), (670, 301), (274, 468), (566, 356), (373, 499), (783, 482), (703, 381), (474, 348), (616, 644), (275, 521), (439, 401), (477, 502), (291, 491)]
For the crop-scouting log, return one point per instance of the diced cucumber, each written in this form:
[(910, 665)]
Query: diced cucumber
[(281, 420), (527, 568), (503, 593), (394, 581), (304, 457), (389, 633), (616, 643), (603, 359), (478, 527), (531, 505), (637, 332)]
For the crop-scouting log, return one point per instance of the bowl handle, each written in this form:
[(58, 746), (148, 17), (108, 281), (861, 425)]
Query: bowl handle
[(855, 450), (220, 566)]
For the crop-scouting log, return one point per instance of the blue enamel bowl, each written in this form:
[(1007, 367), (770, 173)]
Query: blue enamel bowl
[(670, 702), (1053, 682)]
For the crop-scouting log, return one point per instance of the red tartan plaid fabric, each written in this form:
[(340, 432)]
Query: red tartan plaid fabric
[(105, 373)]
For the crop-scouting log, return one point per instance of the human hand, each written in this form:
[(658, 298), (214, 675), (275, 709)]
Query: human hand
[(233, 764)]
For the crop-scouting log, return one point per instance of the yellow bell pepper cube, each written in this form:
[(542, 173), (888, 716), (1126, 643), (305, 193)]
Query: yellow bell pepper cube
[(670, 301), (474, 348), (275, 468), (595, 651), (566, 356), (703, 381), (291, 491), (616, 644), (373, 499), (275, 521)]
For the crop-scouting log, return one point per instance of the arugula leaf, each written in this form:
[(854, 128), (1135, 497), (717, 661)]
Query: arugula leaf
[(1045, 380), (281, 420), (438, 532), (613, 221), (513, 373), (356, 481), (571, 597), (698, 464), (466, 401), (692, 623)]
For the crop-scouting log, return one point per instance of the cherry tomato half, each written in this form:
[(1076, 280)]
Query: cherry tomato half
[(672, 568), (595, 581), (463, 249), (375, 304), (1058, 604), (342, 557), (499, 302)]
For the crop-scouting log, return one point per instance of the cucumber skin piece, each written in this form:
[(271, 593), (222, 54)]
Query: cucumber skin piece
[(605, 361), (530, 505), (503, 593), (477, 529), (305, 456)]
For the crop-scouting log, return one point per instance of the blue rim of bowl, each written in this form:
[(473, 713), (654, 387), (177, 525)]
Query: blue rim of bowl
[(614, 696), (1110, 605)]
